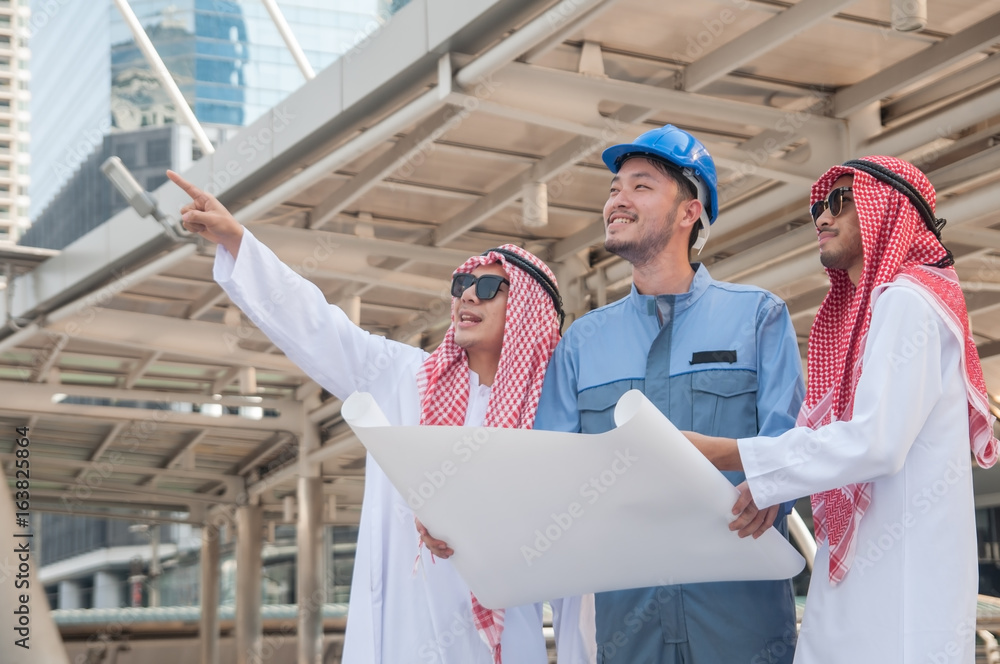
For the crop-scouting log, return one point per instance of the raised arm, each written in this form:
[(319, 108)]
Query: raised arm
[(291, 310)]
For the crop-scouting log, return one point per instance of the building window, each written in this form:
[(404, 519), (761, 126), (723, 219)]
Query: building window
[(154, 181), (126, 152), (158, 152)]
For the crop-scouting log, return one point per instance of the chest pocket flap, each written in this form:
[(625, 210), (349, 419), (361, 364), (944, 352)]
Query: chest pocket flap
[(724, 402), (597, 404)]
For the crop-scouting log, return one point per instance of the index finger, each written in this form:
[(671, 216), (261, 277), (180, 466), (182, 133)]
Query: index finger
[(190, 189)]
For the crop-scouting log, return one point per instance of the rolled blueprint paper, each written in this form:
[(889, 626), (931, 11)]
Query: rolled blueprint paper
[(536, 515)]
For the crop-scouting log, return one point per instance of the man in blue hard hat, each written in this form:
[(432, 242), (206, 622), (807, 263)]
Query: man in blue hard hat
[(713, 357)]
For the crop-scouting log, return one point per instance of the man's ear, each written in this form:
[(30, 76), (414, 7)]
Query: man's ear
[(689, 213)]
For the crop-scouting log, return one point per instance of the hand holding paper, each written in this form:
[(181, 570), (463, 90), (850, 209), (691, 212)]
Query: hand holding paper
[(438, 547)]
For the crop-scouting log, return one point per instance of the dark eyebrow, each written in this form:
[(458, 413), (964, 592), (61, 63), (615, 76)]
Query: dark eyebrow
[(640, 174)]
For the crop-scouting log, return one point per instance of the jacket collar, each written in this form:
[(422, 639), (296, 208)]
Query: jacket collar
[(647, 305)]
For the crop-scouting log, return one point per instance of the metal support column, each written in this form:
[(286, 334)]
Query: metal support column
[(154, 564), (208, 630), (310, 590), (249, 627)]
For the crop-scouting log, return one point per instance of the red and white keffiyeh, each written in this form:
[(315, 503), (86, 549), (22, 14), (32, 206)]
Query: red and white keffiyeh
[(530, 335), (898, 246)]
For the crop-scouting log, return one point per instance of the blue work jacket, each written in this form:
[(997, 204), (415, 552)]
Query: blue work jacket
[(734, 371)]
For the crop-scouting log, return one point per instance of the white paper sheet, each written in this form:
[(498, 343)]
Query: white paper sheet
[(537, 515)]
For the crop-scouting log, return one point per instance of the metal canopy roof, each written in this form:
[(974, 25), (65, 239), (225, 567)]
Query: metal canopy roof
[(387, 170)]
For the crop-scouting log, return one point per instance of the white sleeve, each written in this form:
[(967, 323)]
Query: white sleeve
[(900, 383), (574, 623), (295, 315)]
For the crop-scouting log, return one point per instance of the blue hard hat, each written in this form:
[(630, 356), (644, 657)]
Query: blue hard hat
[(679, 149)]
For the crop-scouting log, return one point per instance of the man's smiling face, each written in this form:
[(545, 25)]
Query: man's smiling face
[(479, 323), (640, 212)]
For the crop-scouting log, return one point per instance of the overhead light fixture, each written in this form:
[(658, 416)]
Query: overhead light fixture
[(139, 199), (908, 15), (535, 204)]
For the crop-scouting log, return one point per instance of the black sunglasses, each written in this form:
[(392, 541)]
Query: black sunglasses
[(834, 201), (487, 285)]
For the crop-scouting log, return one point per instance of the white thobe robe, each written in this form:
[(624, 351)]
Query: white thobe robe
[(910, 594), (395, 616)]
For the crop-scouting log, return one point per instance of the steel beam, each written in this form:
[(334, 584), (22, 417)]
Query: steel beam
[(537, 31), (203, 304), (973, 39), (413, 112), (950, 120), (185, 449), (405, 150), (543, 171), (31, 398), (46, 392), (984, 238), (764, 166), (141, 366), (981, 73), (766, 254), (758, 40), (217, 344), (518, 83), (124, 468), (295, 244), (586, 237), (109, 438)]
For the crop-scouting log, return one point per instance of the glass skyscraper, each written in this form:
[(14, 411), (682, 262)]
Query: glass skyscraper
[(226, 56)]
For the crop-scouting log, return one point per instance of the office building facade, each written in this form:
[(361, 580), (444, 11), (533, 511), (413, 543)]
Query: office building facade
[(15, 118), (227, 58)]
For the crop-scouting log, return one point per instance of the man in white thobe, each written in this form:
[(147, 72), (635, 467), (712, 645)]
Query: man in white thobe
[(894, 403), (488, 371)]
